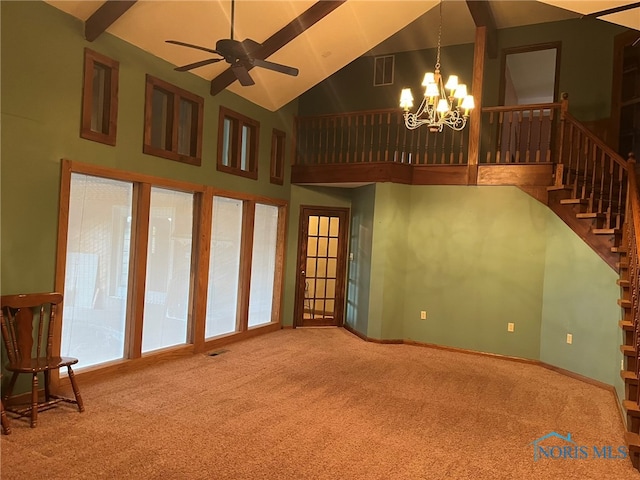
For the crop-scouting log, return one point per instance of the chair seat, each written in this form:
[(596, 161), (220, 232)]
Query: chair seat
[(41, 364)]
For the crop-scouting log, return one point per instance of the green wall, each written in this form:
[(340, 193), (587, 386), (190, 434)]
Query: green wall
[(574, 272), (42, 54), (477, 258), (360, 247), (585, 71)]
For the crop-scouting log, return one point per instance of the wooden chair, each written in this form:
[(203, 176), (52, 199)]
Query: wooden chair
[(27, 323), (6, 427)]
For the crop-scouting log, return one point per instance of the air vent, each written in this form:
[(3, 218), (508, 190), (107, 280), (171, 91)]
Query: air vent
[(215, 353)]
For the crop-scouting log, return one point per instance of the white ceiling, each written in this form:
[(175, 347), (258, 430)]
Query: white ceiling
[(355, 28)]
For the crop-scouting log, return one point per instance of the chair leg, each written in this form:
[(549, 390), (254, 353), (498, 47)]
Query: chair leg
[(76, 390), (34, 401), (47, 394), (6, 428), (9, 391)]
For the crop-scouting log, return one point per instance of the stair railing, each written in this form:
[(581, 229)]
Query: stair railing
[(593, 171), (632, 247)]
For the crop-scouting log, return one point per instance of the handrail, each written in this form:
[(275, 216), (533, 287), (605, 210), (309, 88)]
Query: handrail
[(605, 148), (515, 108)]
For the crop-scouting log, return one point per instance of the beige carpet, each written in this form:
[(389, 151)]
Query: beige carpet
[(323, 404)]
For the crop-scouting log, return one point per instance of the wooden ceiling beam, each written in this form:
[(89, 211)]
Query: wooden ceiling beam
[(104, 17), (275, 42), (483, 17)]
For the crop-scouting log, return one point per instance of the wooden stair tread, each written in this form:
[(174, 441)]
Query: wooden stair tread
[(606, 231), (623, 282), (619, 249), (633, 441), (629, 376), (624, 264), (631, 407), (573, 201), (591, 215), (624, 303), (625, 324), (627, 349)]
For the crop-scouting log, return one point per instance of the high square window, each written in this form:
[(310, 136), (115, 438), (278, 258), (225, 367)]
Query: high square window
[(172, 122), (238, 144), (99, 98)]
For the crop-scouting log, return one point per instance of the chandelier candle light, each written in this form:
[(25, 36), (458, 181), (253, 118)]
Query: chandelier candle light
[(438, 109)]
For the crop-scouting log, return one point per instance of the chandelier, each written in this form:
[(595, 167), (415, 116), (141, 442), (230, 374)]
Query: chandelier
[(438, 108)]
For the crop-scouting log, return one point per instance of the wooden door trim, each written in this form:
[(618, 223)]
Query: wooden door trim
[(343, 238)]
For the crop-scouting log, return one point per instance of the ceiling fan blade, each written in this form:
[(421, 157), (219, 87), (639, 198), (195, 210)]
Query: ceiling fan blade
[(201, 63), (242, 74), (198, 47), (276, 67), (609, 11)]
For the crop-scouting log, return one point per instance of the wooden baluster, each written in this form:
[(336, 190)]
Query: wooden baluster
[(519, 137), (593, 161), (547, 157), (527, 158), (509, 138), (540, 125), (399, 127), (622, 183), (451, 148), (428, 137), (499, 137), (441, 137), (584, 148), (490, 130), (460, 153)]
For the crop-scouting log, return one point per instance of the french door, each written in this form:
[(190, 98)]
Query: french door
[(322, 253)]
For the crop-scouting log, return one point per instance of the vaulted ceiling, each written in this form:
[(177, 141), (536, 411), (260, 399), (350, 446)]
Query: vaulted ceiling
[(318, 38)]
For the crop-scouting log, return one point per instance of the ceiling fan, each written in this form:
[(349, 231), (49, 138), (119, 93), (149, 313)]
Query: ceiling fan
[(240, 55)]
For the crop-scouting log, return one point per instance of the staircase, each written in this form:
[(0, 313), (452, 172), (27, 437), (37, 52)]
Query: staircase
[(595, 192), (629, 282)]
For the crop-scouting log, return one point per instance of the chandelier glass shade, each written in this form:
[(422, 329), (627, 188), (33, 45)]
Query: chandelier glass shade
[(443, 104)]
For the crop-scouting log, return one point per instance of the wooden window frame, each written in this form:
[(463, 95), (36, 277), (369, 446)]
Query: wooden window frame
[(238, 121), (153, 83), (278, 145), (200, 256), (110, 116), (383, 58)]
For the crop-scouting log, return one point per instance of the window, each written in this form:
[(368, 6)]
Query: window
[(166, 300), (224, 267), (172, 122), (238, 144), (97, 266), (383, 70), (277, 156), (99, 98), (155, 266)]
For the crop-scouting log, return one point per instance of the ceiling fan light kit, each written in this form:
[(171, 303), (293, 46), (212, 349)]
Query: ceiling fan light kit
[(240, 55)]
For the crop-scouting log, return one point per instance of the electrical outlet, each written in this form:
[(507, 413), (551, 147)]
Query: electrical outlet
[(423, 315), (569, 338), (511, 327)]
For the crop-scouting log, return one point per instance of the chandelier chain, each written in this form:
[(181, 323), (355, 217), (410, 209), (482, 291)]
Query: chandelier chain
[(437, 66)]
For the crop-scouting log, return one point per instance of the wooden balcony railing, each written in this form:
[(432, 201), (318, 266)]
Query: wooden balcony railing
[(371, 137), (513, 138), (513, 134)]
